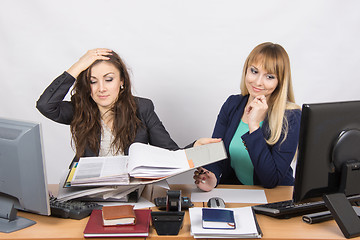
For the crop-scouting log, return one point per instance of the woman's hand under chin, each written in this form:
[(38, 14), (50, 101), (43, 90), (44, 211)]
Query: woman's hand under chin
[(255, 112)]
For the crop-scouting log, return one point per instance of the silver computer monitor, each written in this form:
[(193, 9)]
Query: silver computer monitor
[(23, 183)]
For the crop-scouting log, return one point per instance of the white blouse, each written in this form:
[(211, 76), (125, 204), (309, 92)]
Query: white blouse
[(105, 144)]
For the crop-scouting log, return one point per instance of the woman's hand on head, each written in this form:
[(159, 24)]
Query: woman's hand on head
[(203, 141), (256, 112), (204, 179), (87, 59)]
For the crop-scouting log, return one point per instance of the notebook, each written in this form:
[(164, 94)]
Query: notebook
[(118, 215), (218, 218)]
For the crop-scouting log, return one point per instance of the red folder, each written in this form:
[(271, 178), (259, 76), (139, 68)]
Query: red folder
[(95, 228)]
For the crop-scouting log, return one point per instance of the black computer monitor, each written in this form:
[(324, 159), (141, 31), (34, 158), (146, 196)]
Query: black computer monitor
[(329, 137), (328, 163), (23, 183)]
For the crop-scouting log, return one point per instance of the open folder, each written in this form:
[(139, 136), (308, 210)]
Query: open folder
[(144, 164)]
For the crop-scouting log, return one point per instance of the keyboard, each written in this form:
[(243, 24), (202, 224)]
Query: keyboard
[(71, 209), (160, 202), (288, 209)]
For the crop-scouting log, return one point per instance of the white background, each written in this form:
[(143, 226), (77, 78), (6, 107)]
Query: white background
[(186, 56)]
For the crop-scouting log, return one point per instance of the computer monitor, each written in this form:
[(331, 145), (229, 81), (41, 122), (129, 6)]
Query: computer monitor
[(23, 183), (329, 138), (328, 163)]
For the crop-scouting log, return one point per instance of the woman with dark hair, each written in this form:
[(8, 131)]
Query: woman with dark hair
[(104, 117)]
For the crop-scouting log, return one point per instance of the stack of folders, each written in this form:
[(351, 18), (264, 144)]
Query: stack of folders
[(125, 225), (120, 178), (224, 223)]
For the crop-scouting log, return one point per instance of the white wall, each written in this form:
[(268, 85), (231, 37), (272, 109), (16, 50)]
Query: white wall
[(186, 56)]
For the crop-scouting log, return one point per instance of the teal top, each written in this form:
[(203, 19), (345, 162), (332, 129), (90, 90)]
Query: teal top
[(240, 158)]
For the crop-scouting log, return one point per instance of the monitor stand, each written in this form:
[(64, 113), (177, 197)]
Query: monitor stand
[(9, 221), (345, 159), (343, 213)]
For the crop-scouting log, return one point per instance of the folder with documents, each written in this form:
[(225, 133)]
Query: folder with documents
[(116, 178), (145, 164)]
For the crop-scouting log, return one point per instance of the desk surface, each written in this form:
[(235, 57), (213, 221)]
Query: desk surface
[(294, 228)]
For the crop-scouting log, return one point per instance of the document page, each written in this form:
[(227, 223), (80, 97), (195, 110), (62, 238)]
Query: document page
[(150, 161), (101, 169), (206, 154), (231, 195)]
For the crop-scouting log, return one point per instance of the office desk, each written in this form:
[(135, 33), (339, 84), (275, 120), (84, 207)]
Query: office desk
[(294, 228)]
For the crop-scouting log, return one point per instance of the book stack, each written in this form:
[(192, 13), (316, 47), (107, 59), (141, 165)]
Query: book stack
[(140, 228)]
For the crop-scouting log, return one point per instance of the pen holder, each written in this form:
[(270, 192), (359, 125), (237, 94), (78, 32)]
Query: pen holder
[(167, 223)]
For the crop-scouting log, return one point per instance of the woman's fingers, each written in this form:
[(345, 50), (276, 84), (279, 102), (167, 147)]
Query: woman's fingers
[(204, 179), (89, 58), (203, 141)]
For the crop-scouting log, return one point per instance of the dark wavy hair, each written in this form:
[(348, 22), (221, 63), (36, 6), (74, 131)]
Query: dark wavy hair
[(86, 124)]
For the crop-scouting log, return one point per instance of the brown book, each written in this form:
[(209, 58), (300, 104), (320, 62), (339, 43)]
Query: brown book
[(118, 215)]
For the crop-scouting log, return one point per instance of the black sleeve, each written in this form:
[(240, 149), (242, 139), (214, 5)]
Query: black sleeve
[(51, 103)]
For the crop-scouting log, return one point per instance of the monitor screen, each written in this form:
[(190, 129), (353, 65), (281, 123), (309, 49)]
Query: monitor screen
[(329, 138), (23, 183)]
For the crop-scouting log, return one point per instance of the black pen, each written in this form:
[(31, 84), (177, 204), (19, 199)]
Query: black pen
[(203, 172)]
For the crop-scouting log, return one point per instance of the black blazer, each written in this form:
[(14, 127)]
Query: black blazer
[(52, 105)]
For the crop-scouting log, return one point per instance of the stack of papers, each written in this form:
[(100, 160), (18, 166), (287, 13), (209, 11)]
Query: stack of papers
[(245, 222), (100, 193), (143, 162), (100, 171), (114, 178)]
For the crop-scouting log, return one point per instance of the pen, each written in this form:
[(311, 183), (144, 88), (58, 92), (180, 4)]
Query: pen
[(203, 172)]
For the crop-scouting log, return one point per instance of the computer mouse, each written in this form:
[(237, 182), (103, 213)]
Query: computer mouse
[(216, 202)]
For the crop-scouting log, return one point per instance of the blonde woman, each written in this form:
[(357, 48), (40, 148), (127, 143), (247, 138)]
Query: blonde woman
[(259, 127)]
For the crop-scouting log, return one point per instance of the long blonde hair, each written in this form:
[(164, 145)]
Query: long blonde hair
[(274, 59)]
